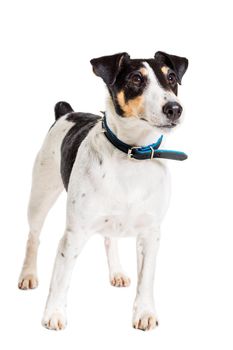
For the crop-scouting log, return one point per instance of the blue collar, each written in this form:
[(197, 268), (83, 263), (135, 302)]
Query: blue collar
[(146, 152)]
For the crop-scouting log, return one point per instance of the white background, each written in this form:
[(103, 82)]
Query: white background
[(45, 51)]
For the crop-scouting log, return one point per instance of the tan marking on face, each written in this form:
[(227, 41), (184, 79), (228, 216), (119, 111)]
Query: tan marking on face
[(165, 69), (144, 71), (133, 107)]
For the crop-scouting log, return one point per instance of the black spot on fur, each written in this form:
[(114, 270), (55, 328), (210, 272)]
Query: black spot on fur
[(84, 122), (156, 66), (62, 255), (83, 195), (123, 82), (178, 64)]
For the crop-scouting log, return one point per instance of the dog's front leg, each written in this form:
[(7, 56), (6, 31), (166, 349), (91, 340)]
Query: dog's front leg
[(69, 248), (144, 315), (116, 274)]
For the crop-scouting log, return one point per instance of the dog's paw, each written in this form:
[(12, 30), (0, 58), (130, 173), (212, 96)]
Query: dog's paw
[(28, 281), (119, 280), (54, 321), (145, 321)]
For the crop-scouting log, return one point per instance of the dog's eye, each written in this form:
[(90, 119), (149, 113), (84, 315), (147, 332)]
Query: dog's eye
[(136, 79), (172, 78)]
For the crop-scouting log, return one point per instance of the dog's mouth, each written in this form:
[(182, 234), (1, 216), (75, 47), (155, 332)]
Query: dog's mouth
[(167, 126), (162, 126)]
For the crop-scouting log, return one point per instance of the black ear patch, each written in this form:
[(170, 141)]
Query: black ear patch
[(178, 64), (108, 67)]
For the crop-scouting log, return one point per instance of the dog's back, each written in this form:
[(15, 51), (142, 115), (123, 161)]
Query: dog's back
[(82, 124)]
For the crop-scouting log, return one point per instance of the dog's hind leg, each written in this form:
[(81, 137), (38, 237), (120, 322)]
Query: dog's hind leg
[(46, 187), (116, 274)]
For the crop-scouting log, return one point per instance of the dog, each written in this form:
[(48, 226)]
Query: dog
[(116, 180)]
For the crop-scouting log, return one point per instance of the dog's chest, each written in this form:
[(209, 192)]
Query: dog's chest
[(131, 196)]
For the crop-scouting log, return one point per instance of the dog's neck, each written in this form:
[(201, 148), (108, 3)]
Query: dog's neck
[(131, 130)]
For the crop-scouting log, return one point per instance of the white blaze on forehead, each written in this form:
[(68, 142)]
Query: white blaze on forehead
[(153, 81), (155, 97)]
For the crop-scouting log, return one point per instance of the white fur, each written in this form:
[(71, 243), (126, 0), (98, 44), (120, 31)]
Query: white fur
[(121, 197), (154, 92), (46, 187)]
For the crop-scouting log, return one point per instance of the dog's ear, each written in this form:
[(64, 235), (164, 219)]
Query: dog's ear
[(178, 64), (108, 67)]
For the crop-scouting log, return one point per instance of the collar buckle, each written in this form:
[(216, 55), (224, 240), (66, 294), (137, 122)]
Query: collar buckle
[(130, 155)]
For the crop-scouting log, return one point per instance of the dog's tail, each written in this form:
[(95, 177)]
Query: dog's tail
[(61, 108)]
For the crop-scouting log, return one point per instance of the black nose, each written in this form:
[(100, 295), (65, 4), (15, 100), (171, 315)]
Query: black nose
[(173, 110)]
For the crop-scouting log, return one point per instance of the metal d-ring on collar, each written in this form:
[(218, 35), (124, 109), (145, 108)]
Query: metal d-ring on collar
[(145, 152)]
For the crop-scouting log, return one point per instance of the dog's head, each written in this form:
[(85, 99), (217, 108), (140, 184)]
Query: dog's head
[(144, 88)]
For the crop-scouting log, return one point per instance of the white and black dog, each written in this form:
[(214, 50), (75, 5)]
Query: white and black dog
[(117, 185)]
